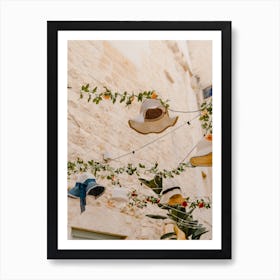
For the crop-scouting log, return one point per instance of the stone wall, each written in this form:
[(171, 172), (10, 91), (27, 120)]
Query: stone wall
[(168, 67)]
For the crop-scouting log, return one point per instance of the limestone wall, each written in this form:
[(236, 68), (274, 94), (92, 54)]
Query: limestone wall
[(133, 66)]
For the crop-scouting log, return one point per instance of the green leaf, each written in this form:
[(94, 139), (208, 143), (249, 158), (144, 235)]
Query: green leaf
[(156, 216), (197, 234), (167, 235), (122, 99), (155, 184)]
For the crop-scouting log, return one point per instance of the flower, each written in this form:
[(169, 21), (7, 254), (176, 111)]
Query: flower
[(106, 96), (131, 98), (184, 204), (154, 95), (200, 205), (204, 113), (208, 137)]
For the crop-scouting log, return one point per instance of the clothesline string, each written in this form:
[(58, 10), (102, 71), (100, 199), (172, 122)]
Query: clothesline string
[(191, 150), (153, 141), (184, 112)]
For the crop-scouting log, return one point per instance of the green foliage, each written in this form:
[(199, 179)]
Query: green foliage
[(126, 98), (155, 184), (184, 219), (206, 116), (97, 168), (156, 217)]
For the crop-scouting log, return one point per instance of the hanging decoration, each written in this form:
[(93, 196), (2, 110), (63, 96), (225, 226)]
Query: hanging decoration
[(204, 152), (153, 118), (125, 97), (188, 227), (105, 171), (206, 116), (85, 187), (120, 194)]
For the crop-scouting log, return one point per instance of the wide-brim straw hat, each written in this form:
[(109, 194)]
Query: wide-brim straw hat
[(170, 192), (203, 155), (153, 118)]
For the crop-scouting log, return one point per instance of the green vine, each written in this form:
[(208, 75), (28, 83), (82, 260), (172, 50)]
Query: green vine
[(141, 201), (206, 116), (127, 98), (105, 171)]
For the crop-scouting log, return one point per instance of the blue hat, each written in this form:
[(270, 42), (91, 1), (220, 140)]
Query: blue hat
[(88, 187)]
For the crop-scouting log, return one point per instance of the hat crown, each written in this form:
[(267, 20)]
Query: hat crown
[(152, 109)]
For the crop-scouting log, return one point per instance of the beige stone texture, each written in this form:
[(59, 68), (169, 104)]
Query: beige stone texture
[(168, 67)]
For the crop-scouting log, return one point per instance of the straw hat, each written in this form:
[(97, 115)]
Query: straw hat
[(153, 118), (171, 194), (203, 155), (120, 194)]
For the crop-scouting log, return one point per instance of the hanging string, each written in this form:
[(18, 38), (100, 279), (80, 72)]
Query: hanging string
[(191, 150), (156, 139), (185, 112), (188, 224)]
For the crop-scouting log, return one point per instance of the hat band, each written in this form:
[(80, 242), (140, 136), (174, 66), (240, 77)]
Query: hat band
[(170, 189), (154, 114)]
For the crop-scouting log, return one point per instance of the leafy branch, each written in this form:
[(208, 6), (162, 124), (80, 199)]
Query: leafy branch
[(105, 171), (206, 116), (127, 98)]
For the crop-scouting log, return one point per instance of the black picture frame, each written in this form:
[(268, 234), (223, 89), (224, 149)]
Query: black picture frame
[(53, 27)]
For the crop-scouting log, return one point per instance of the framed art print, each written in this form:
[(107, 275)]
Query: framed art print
[(139, 140)]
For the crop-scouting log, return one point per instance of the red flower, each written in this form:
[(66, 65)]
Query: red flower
[(184, 204), (200, 204)]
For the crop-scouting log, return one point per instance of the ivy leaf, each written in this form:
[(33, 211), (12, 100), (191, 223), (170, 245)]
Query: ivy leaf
[(140, 97), (167, 235), (155, 184), (197, 234), (156, 217), (122, 99)]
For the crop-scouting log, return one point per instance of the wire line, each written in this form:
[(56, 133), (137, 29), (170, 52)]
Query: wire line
[(153, 141)]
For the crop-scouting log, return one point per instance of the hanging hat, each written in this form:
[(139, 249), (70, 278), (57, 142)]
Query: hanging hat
[(171, 194), (120, 194), (153, 118), (204, 154), (83, 188)]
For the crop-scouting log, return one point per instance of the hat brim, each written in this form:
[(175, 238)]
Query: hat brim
[(165, 197), (204, 161), (156, 126), (96, 190)]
